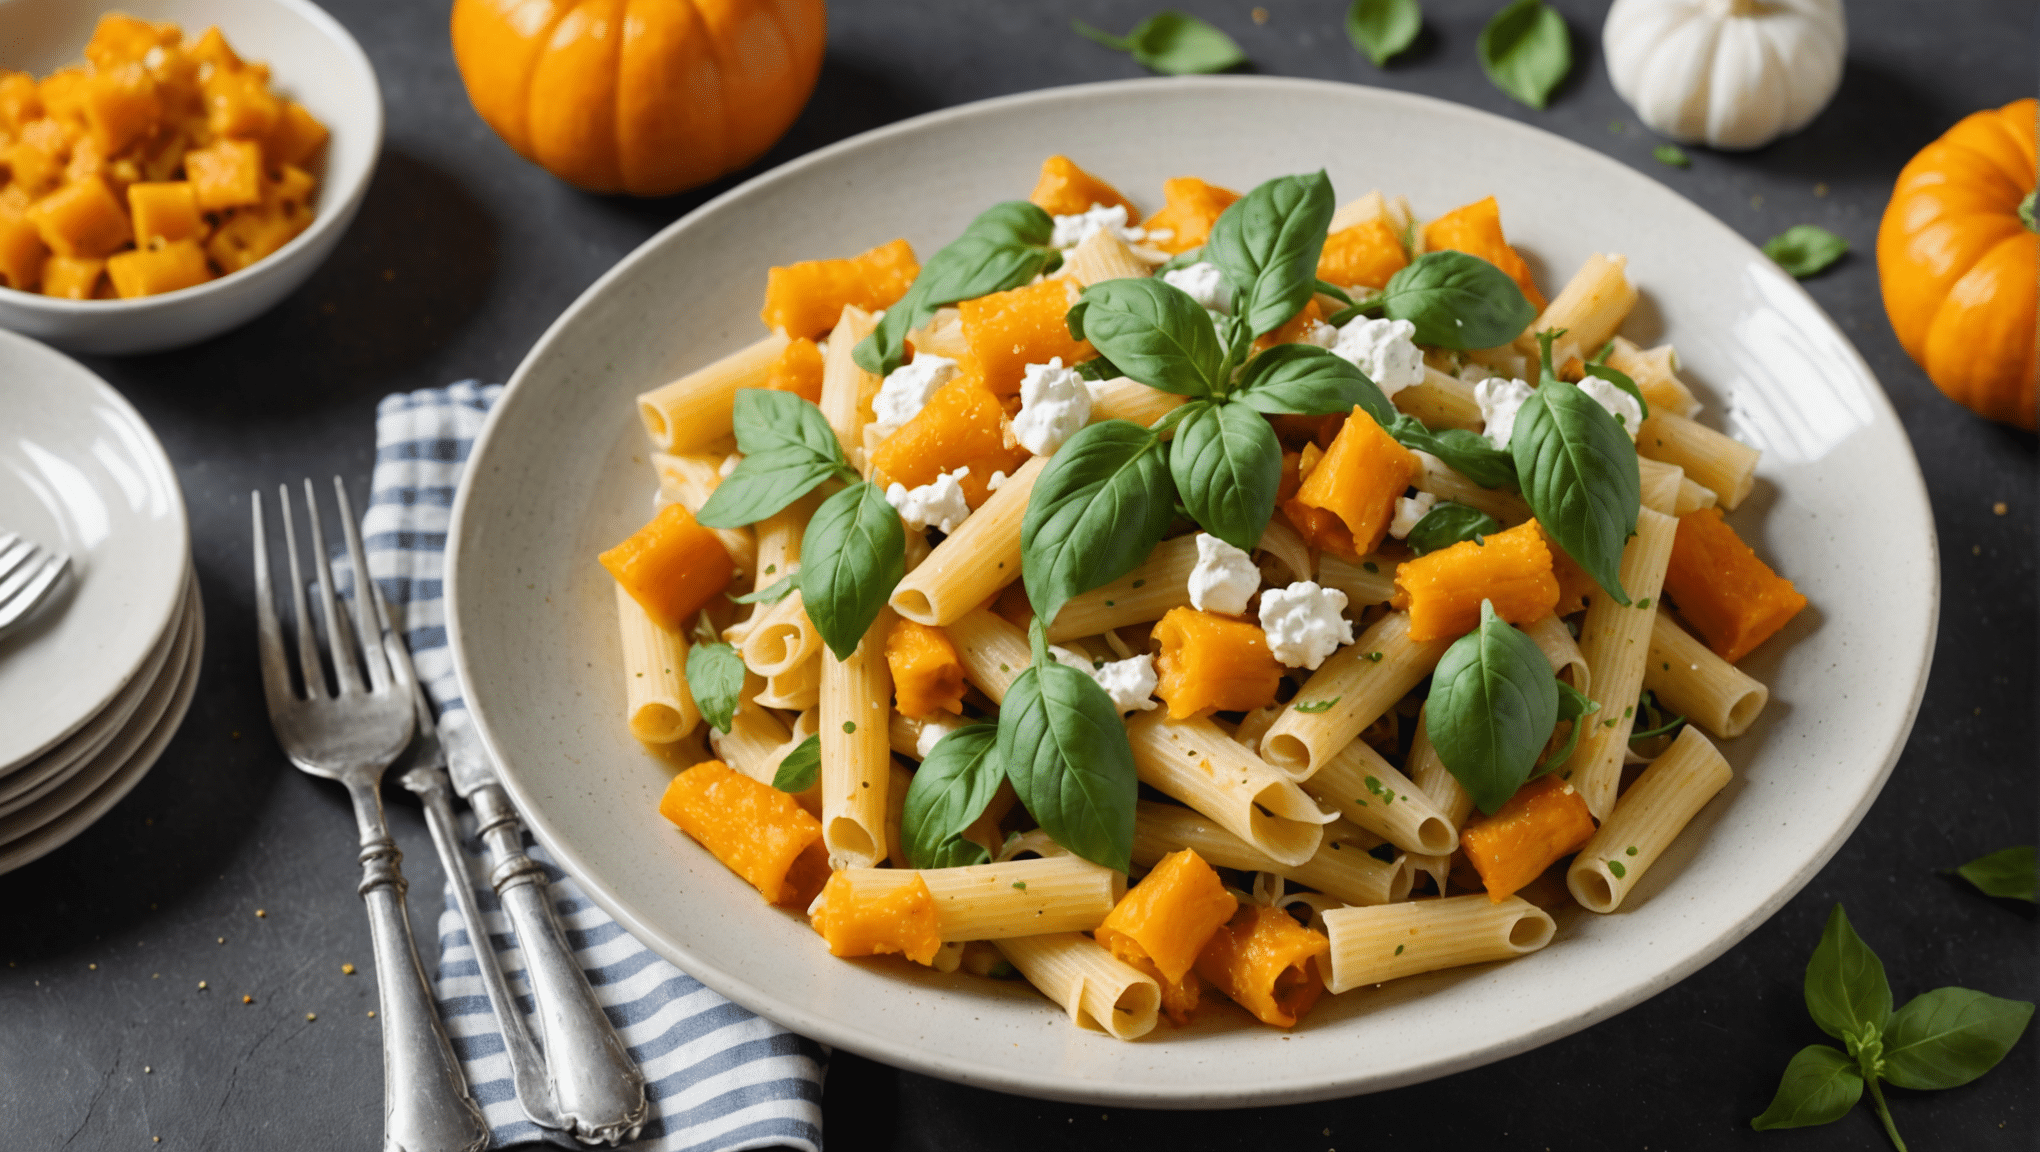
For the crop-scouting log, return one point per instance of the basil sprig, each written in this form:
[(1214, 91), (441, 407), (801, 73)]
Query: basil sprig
[(1467, 453), (1005, 247), (1805, 249), (1063, 745), (1447, 524), (2007, 873), (715, 678), (1306, 380), (798, 772), (1578, 471), (1383, 28), (951, 789), (1097, 510), (1573, 705), (788, 450), (1455, 301), (853, 555), (1493, 705), (1153, 332), (1267, 245), (1526, 51), (1942, 1039), (1227, 465)]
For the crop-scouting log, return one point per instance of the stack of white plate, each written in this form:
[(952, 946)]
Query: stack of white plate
[(94, 685)]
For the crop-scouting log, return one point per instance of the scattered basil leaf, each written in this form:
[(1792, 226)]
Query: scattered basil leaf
[(1383, 28), (1526, 50), (1099, 368), (1447, 524), (1820, 1085), (1950, 1036), (1154, 332), (1306, 380), (1620, 380), (1326, 288), (1267, 244), (1316, 705), (772, 593), (853, 554), (797, 773), (1845, 984), (1227, 465), (1457, 301), (1096, 511), (1003, 248), (1673, 155), (788, 449), (1578, 471), (1467, 453), (1065, 748), (1573, 705), (1173, 43), (1805, 249), (2008, 873), (715, 677), (1492, 707), (949, 792)]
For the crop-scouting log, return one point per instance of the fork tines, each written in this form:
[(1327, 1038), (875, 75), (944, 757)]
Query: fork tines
[(353, 646), (27, 573)]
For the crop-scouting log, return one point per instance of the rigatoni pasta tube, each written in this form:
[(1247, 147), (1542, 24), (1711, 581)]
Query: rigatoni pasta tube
[(1443, 481), (856, 761), (1143, 595), (797, 689), (780, 638), (755, 735), (1103, 256), (846, 388), (1712, 460), (1371, 581), (779, 537), (1372, 945), (1661, 802), (1121, 398), (1340, 868), (656, 701), (1014, 898), (1441, 401), (979, 558), (696, 409), (1662, 484), (1688, 678), (1589, 308), (1349, 691), (1560, 650), (1616, 642), (992, 650), (1196, 762), (1655, 372), (1692, 497), (1428, 772), (1368, 791), (1099, 991)]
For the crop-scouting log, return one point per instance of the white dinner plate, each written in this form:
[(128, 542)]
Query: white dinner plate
[(80, 471), (559, 474)]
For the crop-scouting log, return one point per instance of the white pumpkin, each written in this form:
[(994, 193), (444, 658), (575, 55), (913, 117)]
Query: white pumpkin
[(1727, 73)]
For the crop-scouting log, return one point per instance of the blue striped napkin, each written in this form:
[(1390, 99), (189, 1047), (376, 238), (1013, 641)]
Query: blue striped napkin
[(720, 1077)]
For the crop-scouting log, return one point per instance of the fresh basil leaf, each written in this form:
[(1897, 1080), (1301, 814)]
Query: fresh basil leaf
[(1845, 986), (772, 593), (1181, 260), (715, 677), (1573, 705), (1805, 249), (1305, 380), (1004, 247), (1099, 368), (1383, 28), (1327, 288), (1065, 748), (1672, 155), (1619, 379), (1492, 707), (1173, 43), (1227, 465), (1526, 50), (1154, 332), (1369, 305), (788, 449), (1664, 729), (1820, 1085), (950, 790), (1950, 1036), (1578, 470), (1467, 453), (798, 772), (2008, 873), (1097, 510), (1457, 301), (1447, 524), (852, 555), (1267, 243)]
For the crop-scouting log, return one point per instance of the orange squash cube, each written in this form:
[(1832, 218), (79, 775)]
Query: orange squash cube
[(1162, 923), (1191, 208), (72, 277), (926, 674), (1262, 959), (22, 252), (250, 234), (122, 39), (36, 159), (757, 831), (239, 105), (296, 137), (1730, 596), (1007, 331), (82, 218), (1358, 480), (902, 921), (167, 211), (1575, 585), (807, 298), (289, 184), (225, 174), (1363, 256), (1292, 331), (671, 566), (1544, 821), (63, 97), (120, 106), (154, 271), (19, 103), (212, 48), (798, 370), (1213, 663), (1476, 229), (1444, 588), (959, 427), (1067, 190)]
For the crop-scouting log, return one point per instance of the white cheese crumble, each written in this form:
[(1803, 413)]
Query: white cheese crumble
[(1303, 623), (1620, 404), (1499, 402), (1409, 510), (1054, 403), (907, 388), (938, 504), (1130, 682), (933, 729), (1321, 334), (729, 464), (1474, 372), (998, 479), (1076, 228), (1204, 283), (1224, 579), (1384, 349)]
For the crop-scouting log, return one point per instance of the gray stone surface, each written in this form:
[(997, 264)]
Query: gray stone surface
[(463, 254)]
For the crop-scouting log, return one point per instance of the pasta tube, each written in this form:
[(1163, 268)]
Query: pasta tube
[(856, 762), (1688, 678), (1349, 691), (1650, 815), (1443, 481), (979, 558), (1004, 900), (696, 409), (847, 390), (1367, 790), (1728, 467), (1616, 642), (1195, 761), (1372, 945), (656, 702), (1340, 868), (1099, 991)]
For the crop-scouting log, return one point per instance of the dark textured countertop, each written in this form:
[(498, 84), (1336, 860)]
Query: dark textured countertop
[(463, 254)]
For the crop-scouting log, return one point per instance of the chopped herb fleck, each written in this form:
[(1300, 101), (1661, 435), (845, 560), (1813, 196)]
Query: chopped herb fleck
[(1005, 668), (849, 725), (1374, 656), (1611, 721), (1629, 851), (1109, 603), (1629, 711), (1398, 949), (1020, 884), (771, 568), (1643, 603), (1616, 869), (1370, 566), (1374, 785), (1138, 583), (1318, 705)]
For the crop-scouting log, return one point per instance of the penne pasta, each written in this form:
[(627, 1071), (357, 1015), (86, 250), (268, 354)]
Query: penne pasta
[(1371, 581), (1099, 991), (1340, 868), (1441, 480), (1387, 941), (1001, 901), (797, 689), (657, 705), (780, 639), (1688, 678), (1367, 790), (1692, 497), (993, 652), (942, 335), (696, 409), (1726, 467), (974, 562), (847, 390), (1123, 399), (1662, 485), (1428, 772), (1441, 401), (1646, 820), (1102, 256), (1655, 372), (1556, 641), (1196, 762), (1589, 309), (1349, 691), (856, 762), (1616, 642), (756, 737), (689, 481)]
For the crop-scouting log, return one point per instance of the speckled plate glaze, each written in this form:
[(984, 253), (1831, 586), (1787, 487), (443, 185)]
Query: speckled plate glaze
[(560, 475)]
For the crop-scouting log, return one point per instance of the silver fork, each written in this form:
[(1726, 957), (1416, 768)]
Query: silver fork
[(27, 572), (351, 736)]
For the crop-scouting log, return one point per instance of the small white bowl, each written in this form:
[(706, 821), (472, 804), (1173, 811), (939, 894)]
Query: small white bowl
[(312, 60)]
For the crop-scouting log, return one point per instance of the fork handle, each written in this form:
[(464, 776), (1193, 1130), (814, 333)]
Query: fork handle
[(426, 1105), (598, 1090)]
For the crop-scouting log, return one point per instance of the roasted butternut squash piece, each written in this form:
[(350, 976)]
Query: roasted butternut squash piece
[(1262, 959), (902, 921), (1444, 589), (1574, 584), (1476, 229), (671, 566), (1212, 663), (225, 174), (120, 38), (798, 370), (81, 219), (1358, 480), (71, 277), (1292, 329), (1163, 922), (35, 166), (1191, 208), (151, 271), (18, 101), (167, 211), (959, 427), (1362, 256), (22, 251), (120, 105), (297, 136), (250, 234), (238, 103), (759, 832), (1007, 331), (1544, 821), (807, 298), (1067, 190), (926, 674), (1732, 598)]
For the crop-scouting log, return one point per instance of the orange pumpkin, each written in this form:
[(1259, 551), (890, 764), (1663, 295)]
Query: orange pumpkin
[(640, 96), (1957, 255)]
